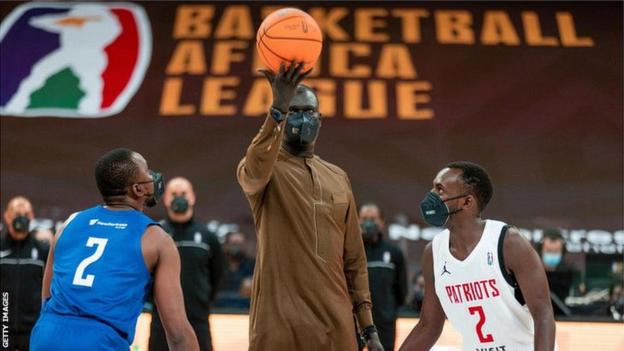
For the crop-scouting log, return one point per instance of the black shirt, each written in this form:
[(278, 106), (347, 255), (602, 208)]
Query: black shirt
[(386, 279), (201, 266), (21, 274)]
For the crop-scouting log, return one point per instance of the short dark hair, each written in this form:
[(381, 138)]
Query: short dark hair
[(114, 171), (229, 236), (553, 234), (371, 204), (477, 179)]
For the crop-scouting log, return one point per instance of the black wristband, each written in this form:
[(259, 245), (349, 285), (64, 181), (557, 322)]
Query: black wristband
[(367, 331)]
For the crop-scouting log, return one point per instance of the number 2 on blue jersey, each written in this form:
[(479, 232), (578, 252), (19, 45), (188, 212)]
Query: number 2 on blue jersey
[(88, 280)]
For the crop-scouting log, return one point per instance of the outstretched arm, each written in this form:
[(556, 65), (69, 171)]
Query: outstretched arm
[(48, 272), (255, 169), (522, 260), (168, 292), (431, 321)]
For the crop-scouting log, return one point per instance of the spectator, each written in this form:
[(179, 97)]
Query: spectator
[(22, 261), (418, 292), (236, 288), (202, 263), (386, 274), (561, 276)]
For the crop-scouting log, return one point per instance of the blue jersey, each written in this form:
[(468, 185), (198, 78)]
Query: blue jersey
[(99, 271)]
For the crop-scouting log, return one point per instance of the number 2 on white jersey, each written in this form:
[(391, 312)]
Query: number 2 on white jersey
[(88, 280), (479, 327)]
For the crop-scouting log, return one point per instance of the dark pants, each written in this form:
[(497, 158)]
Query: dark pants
[(158, 339), (18, 341)]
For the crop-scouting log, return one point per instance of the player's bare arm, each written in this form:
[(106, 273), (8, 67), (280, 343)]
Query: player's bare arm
[(431, 321), (162, 258), (522, 260), (47, 274)]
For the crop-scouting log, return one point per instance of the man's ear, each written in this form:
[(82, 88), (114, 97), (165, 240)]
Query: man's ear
[(137, 190), (191, 198), (470, 201)]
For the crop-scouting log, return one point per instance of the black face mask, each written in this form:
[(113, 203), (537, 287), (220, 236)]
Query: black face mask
[(434, 209), (302, 127), (159, 189), (21, 224), (370, 230), (179, 204)]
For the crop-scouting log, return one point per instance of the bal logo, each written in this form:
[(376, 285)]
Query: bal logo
[(72, 59)]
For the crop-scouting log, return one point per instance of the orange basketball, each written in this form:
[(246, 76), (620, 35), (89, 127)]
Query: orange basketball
[(289, 34)]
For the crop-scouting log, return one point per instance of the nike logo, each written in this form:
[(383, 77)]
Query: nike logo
[(5, 253)]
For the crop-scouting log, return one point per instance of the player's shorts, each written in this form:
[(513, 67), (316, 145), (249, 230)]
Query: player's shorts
[(70, 333)]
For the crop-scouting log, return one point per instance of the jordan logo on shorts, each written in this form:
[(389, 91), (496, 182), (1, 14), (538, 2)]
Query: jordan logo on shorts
[(444, 270)]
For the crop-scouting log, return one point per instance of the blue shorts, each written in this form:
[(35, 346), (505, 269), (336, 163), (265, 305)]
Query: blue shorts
[(54, 332)]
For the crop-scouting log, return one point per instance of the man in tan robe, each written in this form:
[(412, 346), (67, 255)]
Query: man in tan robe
[(311, 275)]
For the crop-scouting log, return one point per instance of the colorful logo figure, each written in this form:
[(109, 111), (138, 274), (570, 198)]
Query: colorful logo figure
[(72, 60), (490, 258)]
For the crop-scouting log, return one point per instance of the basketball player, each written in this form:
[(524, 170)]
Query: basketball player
[(480, 273), (100, 262)]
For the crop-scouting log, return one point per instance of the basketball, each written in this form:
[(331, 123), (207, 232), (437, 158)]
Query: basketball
[(288, 35)]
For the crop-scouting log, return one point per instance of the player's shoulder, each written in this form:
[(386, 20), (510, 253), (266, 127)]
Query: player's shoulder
[(166, 226), (156, 233), (330, 166), (427, 256), (514, 242)]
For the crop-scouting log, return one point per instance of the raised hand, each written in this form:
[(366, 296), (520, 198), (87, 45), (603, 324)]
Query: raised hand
[(284, 83)]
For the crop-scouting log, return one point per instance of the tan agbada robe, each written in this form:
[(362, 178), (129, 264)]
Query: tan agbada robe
[(310, 274)]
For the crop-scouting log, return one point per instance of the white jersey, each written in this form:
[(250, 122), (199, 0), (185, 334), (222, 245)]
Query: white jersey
[(476, 297)]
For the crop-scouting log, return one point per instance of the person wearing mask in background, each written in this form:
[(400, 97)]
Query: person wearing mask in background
[(235, 290), (386, 274), (22, 262), (201, 259), (418, 292), (561, 275)]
